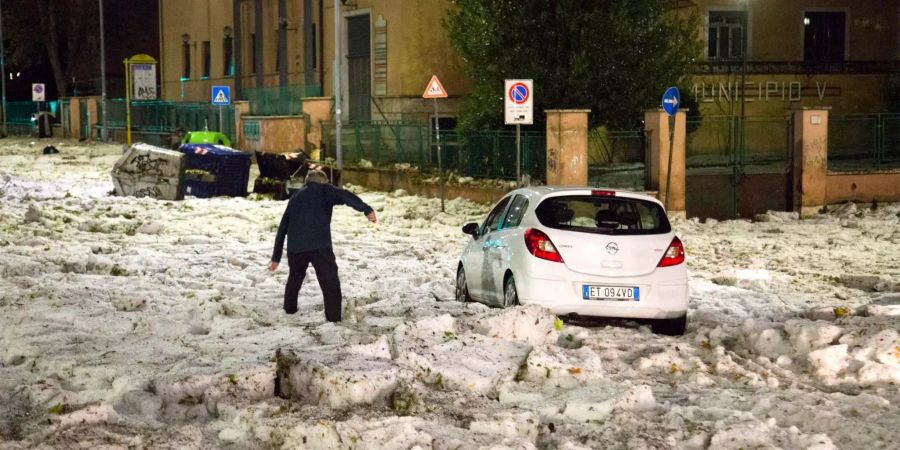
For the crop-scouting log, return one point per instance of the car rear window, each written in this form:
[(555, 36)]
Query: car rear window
[(603, 215)]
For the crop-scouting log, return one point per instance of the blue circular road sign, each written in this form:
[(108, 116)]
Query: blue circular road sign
[(518, 93), (671, 100)]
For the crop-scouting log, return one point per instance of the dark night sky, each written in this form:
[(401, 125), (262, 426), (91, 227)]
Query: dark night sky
[(131, 27)]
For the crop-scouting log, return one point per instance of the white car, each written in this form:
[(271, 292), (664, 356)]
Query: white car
[(578, 251)]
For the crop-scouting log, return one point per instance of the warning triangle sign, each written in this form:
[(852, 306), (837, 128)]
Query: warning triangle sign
[(435, 89)]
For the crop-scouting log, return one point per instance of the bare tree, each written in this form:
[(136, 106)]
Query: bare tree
[(63, 30)]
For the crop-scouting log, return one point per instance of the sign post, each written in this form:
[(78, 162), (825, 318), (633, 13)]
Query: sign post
[(38, 95), (519, 110), (221, 97), (140, 84), (671, 99), (435, 90)]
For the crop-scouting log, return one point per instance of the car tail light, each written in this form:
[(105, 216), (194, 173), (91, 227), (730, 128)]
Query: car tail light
[(674, 254), (603, 193), (539, 244)]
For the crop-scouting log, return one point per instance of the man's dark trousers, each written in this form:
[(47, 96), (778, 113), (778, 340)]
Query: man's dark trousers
[(327, 274)]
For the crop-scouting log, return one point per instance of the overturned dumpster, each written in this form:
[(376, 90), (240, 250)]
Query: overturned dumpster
[(145, 170), (282, 173), (216, 170)]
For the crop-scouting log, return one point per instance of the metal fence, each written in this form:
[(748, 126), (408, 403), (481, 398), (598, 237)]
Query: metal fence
[(280, 100), (616, 159), (711, 141), (19, 114), (714, 141), (164, 116), (379, 142), (479, 154), (492, 154), (863, 141)]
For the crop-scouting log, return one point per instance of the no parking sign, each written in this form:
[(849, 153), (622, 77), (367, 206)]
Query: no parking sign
[(38, 92), (518, 101)]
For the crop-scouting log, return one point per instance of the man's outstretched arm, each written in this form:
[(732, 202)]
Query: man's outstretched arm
[(345, 197), (279, 241)]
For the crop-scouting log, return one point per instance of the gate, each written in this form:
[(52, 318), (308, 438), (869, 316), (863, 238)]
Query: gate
[(616, 159), (728, 177), (863, 142), (85, 114)]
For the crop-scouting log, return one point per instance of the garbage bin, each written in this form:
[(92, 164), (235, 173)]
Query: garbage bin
[(216, 170)]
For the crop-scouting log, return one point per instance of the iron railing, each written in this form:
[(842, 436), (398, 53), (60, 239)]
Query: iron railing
[(863, 141), (796, 67), (280, 100)]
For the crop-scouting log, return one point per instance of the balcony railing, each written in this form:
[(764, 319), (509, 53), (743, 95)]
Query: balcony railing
[(797, 67)]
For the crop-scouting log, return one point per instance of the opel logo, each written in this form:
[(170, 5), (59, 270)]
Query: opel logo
[(612, 248)]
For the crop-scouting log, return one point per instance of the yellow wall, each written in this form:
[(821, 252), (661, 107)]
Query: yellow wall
[(776, 27), (417, 48), (772, 95)]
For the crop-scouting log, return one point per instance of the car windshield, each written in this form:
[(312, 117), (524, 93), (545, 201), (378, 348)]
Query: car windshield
[(603, 215)]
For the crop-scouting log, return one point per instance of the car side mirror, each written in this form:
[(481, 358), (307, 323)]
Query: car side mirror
[(472, 229)]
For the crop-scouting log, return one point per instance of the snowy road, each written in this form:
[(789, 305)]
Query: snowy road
[(134, 323)]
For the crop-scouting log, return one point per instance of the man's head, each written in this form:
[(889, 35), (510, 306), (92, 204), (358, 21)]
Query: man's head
[(316, 176)]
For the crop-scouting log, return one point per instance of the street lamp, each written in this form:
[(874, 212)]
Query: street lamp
[(337, 83), (104, 130), (738, 167), (2, 69)]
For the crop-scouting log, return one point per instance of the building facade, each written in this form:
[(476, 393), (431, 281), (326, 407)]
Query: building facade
[(776, 54), (391, 49), (798, 53)]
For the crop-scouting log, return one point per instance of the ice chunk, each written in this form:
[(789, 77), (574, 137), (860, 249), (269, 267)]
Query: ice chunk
[(524, 425), (530, 324), (807, 336), (829, 362), (556, 366), (92, 414), (598, 405), (336, 380)]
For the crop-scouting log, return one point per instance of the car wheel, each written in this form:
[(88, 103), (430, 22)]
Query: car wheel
[(510, 295), (462, 288), (670, 327)]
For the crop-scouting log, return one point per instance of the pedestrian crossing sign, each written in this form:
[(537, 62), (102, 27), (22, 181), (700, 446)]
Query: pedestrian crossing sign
[(435, 89), (221, 95)]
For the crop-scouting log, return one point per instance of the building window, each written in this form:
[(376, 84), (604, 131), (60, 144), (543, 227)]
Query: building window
[(252, 53), (206, 60), (277, 53), (186, 56), (725, 35), (228, 53), (823, 37), (314, 48)]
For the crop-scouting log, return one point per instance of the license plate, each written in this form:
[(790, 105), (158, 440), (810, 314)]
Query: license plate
[(591, 292)]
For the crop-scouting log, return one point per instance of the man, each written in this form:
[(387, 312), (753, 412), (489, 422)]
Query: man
[(307, 224)]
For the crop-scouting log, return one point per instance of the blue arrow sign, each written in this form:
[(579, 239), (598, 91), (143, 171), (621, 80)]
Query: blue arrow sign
[(221, 95), (671, 100)]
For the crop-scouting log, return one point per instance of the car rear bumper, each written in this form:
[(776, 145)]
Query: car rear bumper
[(664, 295)]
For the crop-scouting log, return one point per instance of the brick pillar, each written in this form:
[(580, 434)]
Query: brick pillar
[(316, 110), (567, 144), (241, 109), (656, 124), (810, 167), (75, 117), (93, 104)]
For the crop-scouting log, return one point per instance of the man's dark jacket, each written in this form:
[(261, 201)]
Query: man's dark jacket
[(307, 219)]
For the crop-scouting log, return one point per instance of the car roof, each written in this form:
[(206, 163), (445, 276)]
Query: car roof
[(556, 191)]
